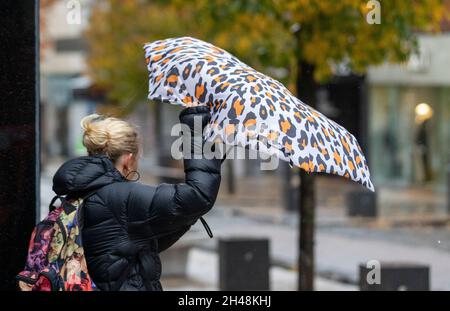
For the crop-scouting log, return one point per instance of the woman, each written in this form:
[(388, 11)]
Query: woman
[(126, 224)]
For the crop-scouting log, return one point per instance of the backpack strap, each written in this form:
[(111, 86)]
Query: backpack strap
[(51, 206), (80, 208), (67, 209)]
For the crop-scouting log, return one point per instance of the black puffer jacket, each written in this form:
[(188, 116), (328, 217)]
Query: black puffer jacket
[(126, 224)]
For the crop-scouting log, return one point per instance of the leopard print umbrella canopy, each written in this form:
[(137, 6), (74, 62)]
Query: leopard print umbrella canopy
[(251, 109)]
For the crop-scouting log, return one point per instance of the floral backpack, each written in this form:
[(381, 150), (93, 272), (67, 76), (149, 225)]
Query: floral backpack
[(55, 260)]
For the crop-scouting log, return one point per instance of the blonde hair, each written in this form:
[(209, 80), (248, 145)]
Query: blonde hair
[(110, 136)]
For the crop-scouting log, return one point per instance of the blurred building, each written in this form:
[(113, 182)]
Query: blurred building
[(67, 92), (63, 78), (409, 117)]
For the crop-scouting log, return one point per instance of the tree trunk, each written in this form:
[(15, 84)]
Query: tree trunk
[(307, 227), (231, 180), (306, 91)]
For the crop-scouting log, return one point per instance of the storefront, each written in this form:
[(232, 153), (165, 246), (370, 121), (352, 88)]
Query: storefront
[(409, 118)]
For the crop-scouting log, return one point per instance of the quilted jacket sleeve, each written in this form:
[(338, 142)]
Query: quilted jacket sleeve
[(175, 207)]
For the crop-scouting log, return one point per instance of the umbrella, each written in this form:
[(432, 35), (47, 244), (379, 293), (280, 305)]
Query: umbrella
[(251, 109)]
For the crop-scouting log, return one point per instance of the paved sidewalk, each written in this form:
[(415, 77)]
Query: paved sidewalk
[(339, 251), (202, 274)]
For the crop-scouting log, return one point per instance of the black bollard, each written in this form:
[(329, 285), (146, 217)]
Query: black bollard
[(244, 264), (361, 204), (394, 276)]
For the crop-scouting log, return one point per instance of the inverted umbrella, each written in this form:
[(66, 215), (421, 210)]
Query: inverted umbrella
[(250, 104)]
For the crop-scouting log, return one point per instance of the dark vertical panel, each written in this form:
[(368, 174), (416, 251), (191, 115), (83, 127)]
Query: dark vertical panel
[(19, 156), (364, 118), (349, 95)]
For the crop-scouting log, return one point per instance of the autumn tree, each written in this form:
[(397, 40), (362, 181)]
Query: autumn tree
[(117, 32)]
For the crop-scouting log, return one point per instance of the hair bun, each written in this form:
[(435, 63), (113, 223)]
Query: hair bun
[(95, 136), (108, 135)]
